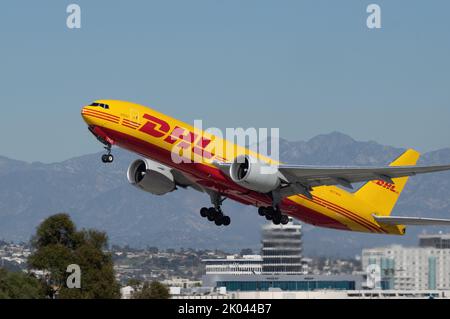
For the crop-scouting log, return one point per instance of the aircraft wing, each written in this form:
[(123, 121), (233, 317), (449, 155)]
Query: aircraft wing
[(345, 176), (313, 176), (418, 221)]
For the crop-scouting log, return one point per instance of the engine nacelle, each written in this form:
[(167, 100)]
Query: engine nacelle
[(254, 175), (151, 177)]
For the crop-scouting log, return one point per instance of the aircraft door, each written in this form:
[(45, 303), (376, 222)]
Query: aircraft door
[(134, 116)]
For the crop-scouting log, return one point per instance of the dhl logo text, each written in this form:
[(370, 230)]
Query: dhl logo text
[(182, 138), (386, 185)]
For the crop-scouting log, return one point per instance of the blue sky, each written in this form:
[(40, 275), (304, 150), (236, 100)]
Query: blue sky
[(307, 67)]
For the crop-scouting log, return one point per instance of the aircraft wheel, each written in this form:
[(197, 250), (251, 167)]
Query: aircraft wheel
[(107, 158), (284, 219), (269, 217), (218, 222), (226, 220), (211, 214), (218, 215), (277, 219), (270, 211), (204, 212), (261, 211)]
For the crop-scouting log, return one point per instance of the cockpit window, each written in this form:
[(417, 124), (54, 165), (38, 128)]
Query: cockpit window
[(105, 106)]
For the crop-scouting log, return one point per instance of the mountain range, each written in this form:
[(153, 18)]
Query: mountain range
[(98, 196)]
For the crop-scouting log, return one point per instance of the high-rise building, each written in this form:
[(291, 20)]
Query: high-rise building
[(282, 249), (440, 241), (411, 268)]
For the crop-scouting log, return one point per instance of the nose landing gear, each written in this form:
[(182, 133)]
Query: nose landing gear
[(108, 157)]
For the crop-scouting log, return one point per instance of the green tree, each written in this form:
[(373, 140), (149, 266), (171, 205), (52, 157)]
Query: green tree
[(154, 290), (58, 244), (18, 285), (133, 282)]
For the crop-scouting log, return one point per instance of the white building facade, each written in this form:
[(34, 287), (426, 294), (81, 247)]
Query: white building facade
[(281, 253), (233, 265), (282, 249), (411, 268)]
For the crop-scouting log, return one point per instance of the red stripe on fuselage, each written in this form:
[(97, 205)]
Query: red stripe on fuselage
[(101, 117), (132, 127), (356, 216), (102, 113), (341, 212), (313, 217), (130, 122)]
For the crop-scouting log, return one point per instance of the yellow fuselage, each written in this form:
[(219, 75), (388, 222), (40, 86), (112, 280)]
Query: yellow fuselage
[(155, 135)]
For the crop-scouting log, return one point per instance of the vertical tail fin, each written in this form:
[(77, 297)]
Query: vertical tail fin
[(384, 195)]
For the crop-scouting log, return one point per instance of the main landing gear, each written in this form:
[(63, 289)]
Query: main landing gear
[(215, 214), (108, 157), (273, 214)]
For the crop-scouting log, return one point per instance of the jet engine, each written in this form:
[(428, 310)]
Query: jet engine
[(254, 175), (151, 177)]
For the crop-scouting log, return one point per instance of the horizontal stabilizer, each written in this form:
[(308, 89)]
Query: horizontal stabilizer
[(419, 221)]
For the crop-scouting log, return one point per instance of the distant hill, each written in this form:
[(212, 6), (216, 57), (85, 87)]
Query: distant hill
[(99, 196)]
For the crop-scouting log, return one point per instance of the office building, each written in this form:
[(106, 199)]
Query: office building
[(233, 265), (411, 268), (282, 249), (439, 241)]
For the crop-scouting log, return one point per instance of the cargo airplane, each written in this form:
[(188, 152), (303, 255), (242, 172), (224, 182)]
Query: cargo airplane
[(312, 194)]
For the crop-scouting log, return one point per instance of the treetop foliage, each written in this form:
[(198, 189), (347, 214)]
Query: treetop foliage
[(59, 244)]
